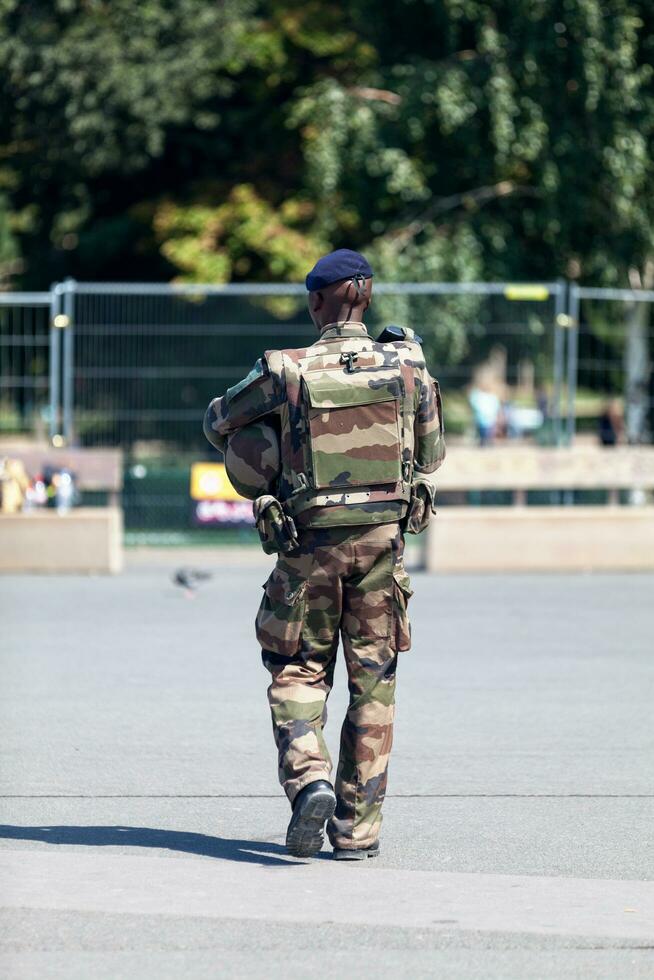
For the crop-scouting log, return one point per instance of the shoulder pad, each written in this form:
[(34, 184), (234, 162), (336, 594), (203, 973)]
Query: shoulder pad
[(395, 333), (274, 361), (259, 373)]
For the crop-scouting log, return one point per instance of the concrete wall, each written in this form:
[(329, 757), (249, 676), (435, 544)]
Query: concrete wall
[(87, 539), (510, 467), (497, 539)]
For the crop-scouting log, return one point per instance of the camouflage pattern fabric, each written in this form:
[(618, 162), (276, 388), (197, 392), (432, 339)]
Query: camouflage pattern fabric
[(277, 530), (421, 506), (359, 422), (351, 582), (357, 418), (252, 459)]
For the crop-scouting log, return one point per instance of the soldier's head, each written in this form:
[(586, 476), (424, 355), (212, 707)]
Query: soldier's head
[(340, 287)]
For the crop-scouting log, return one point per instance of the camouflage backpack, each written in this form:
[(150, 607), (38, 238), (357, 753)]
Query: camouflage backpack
[(338, 433), (347, 429)]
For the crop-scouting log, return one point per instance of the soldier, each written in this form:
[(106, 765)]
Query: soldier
[(359, 421)]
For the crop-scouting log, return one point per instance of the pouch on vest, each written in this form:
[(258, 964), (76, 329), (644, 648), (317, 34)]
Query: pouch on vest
[(276, 528), (355, 425), (421, 505)]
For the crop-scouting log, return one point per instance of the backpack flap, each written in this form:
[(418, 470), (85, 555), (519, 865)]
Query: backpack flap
[(354, 428)]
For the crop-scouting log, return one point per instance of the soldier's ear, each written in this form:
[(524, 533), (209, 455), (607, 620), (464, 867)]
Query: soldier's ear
[(316, 300), (315, 304)]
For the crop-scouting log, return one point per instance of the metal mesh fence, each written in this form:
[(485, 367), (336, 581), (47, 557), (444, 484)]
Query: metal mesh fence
[(135, 365), (145, 361), (481, 329), (146, 365), (24, 363), (612, 366)]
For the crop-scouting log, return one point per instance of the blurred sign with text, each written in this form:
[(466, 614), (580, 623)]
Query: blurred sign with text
[(215, 501)]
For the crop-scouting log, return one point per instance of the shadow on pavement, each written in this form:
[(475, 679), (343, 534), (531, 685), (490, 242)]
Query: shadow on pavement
[(254, 852)]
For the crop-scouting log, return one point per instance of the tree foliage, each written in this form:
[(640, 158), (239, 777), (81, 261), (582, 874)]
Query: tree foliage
[(450, 139)]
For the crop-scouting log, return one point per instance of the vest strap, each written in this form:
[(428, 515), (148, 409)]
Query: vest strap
[(300, 502)]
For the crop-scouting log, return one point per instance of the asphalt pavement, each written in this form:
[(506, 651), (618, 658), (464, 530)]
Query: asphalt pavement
[(143, 826)]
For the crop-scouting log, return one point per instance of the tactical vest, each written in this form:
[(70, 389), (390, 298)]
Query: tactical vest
[(347, 425)]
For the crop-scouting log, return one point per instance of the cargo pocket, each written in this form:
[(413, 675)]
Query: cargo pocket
[(281, 613), (402, 592)]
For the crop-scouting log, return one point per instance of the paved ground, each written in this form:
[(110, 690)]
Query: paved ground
[(142, 826)]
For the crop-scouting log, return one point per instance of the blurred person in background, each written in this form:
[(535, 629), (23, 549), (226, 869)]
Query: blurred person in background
[(486, 411), (543, 403), (611, 424), (14, 484)]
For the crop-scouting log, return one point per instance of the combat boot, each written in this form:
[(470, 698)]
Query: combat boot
[(312, 807), (356, 853)]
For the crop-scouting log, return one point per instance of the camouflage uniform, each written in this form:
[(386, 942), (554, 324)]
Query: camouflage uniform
[(358, 420)]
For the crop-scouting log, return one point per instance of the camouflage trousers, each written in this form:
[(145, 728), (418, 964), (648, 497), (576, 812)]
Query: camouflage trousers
[(352, 582)]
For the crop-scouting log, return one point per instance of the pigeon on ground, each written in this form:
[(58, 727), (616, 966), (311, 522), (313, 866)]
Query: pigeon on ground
[(189, 578)]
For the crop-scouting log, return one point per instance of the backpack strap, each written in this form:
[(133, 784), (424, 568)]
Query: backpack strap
[(395, 333)]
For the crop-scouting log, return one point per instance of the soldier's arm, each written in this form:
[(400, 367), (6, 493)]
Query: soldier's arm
[(256, 395), (429, 431)]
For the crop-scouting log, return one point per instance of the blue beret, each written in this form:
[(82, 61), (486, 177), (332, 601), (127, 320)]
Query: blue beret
[(341, 264)]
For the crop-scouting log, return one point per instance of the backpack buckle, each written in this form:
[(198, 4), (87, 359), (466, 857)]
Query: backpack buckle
[(348, 358)]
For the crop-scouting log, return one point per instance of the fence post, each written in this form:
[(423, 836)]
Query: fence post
[(69, 360), (55, 362), (573, 348), (560, 324)]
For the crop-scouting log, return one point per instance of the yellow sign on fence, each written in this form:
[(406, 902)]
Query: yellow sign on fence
[(209, 482), (524, 291)]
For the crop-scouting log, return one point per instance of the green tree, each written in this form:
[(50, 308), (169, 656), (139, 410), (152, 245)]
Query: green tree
[(100, 103), (9, 262), (528, 124), (451, 139)]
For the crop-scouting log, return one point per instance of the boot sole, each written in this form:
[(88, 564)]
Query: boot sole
[(355, 855), (305, 835)]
